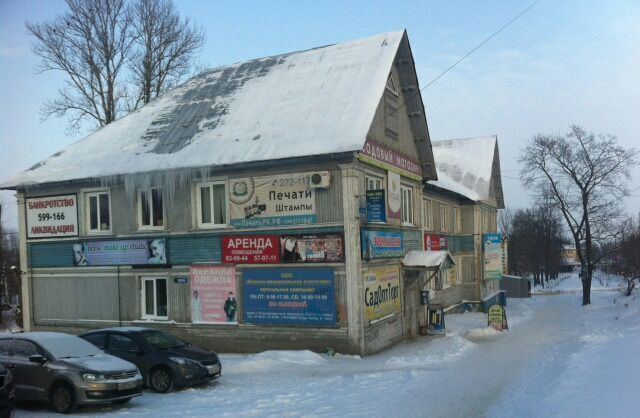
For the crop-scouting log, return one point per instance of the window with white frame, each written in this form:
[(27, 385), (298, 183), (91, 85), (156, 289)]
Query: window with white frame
[(98, 211), (407, 204), (212, 204), (150, 208), (427, 215), (456, 220), (155, 301), (374, 183), (444, 217)]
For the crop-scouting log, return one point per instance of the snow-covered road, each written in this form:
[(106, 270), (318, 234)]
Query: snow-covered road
[(558, 359)]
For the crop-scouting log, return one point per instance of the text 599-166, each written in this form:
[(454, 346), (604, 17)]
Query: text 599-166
[(53, 216)]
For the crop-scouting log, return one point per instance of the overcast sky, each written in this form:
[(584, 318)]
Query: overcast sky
[(562, 63)]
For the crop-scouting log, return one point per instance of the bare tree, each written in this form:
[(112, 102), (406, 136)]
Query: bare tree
[(165, 47), (628, 254), (584, 175), (90, 43)]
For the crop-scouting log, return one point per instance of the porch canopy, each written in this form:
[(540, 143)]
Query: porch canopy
[(430, 260)]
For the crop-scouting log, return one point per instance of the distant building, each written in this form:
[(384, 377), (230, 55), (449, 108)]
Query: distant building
[(263, 205), (569, 258)]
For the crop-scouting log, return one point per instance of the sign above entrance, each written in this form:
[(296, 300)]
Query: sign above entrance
[(380, 155)]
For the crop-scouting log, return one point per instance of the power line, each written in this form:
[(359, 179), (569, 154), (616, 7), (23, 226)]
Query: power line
[(482, 43)]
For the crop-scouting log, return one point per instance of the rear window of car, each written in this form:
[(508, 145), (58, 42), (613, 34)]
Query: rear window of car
[(96, 339)]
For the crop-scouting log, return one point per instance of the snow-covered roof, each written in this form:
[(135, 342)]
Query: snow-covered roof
[(466, 166), (427, 259), (313, 102)]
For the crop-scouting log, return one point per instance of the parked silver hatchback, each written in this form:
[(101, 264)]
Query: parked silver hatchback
[(66, 370)]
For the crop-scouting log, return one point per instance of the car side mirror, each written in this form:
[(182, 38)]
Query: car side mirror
[(37, 358)]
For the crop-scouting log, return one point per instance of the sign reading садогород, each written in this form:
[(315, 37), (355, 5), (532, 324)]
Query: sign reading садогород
[(52, 216)]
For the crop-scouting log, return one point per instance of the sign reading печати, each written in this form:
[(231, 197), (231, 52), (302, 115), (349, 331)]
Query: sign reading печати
[(52, 216)]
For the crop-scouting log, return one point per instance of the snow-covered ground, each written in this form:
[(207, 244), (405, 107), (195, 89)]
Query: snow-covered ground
[(558, 359)]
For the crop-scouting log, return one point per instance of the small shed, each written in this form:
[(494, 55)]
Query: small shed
[(515, 286)]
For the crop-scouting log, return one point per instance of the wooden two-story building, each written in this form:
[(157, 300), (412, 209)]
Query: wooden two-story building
[(262, 205)]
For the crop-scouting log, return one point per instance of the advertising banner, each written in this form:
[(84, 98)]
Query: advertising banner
[(394, 196), (53, 216), (376, 206), (120, 253), (381, 244), (381, 292), (295, 296), (434, 242), (245, 249), (497, 317), (380, 155), (492, 244), (272, 201), (322, 248), (213, 290)]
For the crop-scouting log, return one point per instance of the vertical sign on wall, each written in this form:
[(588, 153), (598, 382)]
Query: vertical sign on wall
[(376, 206), (381, 292), (213, 294), (394, 195), (492, 244)]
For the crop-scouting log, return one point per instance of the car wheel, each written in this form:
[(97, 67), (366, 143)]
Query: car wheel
[(63, 399), (160, 380), (122, 401)]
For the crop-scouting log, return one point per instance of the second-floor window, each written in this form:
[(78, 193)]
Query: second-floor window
[(150, 208), (407, 204), (444, 218), (374, 183), (98, 212), (427, 217), (212, 204)]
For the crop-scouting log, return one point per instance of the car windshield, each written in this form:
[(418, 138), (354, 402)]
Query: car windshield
[(69, 346), (161, 340)]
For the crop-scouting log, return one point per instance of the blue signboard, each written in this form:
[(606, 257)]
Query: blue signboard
[(381, 244), (283, 296), (275, 221), (376, 206)]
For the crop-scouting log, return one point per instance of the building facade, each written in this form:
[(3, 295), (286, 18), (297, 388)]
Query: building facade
[(264, 205)]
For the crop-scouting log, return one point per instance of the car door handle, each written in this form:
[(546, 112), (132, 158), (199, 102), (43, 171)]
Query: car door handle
[(11, 366)]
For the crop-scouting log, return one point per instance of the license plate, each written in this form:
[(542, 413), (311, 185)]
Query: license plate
[(213, 369), (126, 385)]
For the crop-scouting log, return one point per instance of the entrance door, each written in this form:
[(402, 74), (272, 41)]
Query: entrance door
[(411, 304)]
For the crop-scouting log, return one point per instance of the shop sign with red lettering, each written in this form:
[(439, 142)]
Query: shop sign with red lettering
[(251, 249), (52, 216)]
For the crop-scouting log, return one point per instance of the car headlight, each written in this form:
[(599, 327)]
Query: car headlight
[(181, 360), (92, 377)]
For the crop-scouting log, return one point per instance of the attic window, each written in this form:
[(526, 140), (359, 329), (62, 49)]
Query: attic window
[(391, 100)]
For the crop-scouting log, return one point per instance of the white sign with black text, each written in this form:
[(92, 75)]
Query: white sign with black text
[(52, 216)]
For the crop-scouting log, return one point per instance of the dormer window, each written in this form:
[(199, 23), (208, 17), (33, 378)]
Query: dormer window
[(391, 104)]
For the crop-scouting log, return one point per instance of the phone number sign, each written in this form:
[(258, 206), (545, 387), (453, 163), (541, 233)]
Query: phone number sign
[(52, 216), (251, 249)]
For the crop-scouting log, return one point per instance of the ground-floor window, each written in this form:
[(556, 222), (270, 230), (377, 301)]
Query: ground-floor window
[(154, 298)]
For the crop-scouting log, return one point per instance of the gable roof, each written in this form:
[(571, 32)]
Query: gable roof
[(313, 102), (469, 167)]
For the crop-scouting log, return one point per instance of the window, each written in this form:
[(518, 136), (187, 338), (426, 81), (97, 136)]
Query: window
[(407, 204), (391, 118), (444, 218), (150, 208), (23, 348), (154, 298), (96, 339), (427, 216), (5, 346), (485, 220), (456, 220), (212, 204), (98, 212), (374, 183), (123, 344)]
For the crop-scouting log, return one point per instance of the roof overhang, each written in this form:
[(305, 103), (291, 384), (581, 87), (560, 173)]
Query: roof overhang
[(430, 260)]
